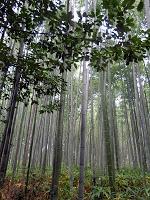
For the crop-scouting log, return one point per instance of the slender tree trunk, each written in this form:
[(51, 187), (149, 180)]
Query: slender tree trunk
[(4, 151), (147, 11), (83, 131), (31, 148), (47, 127), (139, 124), (26, 146), (18, 141), (109, 157), (70, 148), (58, 146)]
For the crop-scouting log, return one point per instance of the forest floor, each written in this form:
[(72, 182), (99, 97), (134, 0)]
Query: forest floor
[(129, 184)]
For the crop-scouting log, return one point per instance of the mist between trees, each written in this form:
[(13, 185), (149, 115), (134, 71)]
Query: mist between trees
[(74, 92)]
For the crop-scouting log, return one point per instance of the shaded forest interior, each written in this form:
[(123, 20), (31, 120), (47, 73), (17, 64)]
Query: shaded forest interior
[(74, 100)]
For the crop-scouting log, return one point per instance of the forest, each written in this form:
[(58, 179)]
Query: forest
[(74, 100)]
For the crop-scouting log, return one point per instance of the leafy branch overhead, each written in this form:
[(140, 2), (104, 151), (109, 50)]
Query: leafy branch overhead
[(55, 42)]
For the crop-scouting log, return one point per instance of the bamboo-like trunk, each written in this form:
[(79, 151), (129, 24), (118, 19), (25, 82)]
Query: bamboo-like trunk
[(108, 148), (147, 11), (57, 157), (83, 132)]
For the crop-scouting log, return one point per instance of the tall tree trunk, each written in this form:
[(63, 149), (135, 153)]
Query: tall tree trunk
[(70, 148), (83, 131), (139, 122), (31, 148), (47, 127), (57, 157), (26, 146), (116, 137), (147, 11), (110, 115), (4, 151), (108, 149), (18, 141), (92, 150)]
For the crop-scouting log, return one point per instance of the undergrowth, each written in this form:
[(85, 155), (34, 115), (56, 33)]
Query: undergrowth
[(130, 184)]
